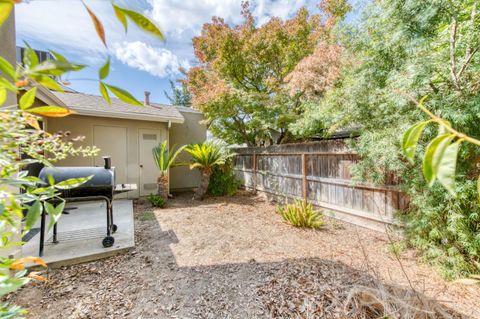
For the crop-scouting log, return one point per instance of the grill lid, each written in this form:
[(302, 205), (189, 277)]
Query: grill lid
[(101, 176)]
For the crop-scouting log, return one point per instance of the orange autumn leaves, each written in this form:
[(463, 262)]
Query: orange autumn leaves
[(298, 55), (317, 72), (19, 264)]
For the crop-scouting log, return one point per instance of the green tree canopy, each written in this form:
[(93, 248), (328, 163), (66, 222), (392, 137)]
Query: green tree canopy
[(179, 95), (415, 48), (240, 82)]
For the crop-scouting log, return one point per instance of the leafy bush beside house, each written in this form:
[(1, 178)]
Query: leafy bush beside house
[(206, 157), (223, 180)]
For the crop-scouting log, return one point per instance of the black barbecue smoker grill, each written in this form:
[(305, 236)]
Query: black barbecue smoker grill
[(100, 187)]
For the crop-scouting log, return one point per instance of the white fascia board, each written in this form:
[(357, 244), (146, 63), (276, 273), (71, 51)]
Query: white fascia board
[(131, 116), (183, 109)]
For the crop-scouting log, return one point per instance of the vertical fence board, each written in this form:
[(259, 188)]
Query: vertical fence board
[(320, 172)]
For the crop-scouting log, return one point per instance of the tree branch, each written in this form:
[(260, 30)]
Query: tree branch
[(467, 61), (443, 123), (469, 52), (453, 40)]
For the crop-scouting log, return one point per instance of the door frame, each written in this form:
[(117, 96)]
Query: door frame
[(139, 138)]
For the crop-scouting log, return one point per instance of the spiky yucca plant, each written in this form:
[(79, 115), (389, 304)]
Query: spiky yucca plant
[(301, 214), (205, 157), (165, 159)]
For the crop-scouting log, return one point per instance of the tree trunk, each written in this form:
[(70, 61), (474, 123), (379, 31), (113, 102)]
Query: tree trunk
[(202, 189), (162, 187)]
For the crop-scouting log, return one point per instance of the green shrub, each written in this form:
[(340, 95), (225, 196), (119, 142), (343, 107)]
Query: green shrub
[(301, 214), (223, 181), (156, 200), (446, 228)]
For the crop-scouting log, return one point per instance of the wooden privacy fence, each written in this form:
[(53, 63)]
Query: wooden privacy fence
[(320, 173)]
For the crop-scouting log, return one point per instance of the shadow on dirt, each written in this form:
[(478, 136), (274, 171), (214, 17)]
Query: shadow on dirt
[(149, 283)]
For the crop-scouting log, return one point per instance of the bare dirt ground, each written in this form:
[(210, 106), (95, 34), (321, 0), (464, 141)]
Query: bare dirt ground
[(233, 257)]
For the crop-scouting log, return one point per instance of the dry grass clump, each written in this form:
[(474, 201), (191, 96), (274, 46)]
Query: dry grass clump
[(363, 302), (301, 214), (316, 288)]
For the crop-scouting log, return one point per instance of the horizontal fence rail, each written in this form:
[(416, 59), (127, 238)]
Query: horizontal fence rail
[(320, 173)]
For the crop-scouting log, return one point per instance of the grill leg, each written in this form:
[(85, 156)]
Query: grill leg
[(42, 233), (109, 223), (111, 214), (55, 240)]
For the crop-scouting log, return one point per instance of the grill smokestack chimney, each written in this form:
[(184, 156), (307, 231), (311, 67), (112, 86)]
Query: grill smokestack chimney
[(108, 162), (146, 100)]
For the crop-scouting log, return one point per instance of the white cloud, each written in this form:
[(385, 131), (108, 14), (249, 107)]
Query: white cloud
[(156, 61), (62, 24), (186, 17), (265, 9), (66, 27)]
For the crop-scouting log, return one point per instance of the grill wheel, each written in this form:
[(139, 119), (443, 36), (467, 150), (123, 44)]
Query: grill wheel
[(108, 241)]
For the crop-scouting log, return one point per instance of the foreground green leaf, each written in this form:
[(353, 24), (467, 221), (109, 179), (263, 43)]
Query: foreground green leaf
[(104, 70), (4, 83), (7, 68), (33, 214), (73, 182), (142, 22), (6, 7), (104, 92), (433, 155), (410, 140), (447, 167), (123, 95), (30, 58), (120, 16), (10, 285), (54, 213), (28, 98), (55, 67), (58, 56), (3, 96), (48, 82)]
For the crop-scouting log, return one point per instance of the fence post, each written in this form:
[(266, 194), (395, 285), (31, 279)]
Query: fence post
[(254, 173), (304, 177)]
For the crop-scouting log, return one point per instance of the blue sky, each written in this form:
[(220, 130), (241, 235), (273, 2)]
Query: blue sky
[(139, 61)]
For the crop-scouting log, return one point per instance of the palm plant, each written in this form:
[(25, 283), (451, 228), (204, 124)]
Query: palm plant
[(164, 158), (205, 157)]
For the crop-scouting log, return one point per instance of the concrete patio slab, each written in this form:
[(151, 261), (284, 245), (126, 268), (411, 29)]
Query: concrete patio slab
[(80, 234)]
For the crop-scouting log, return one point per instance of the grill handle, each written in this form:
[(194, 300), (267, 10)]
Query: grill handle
[(108, 162)]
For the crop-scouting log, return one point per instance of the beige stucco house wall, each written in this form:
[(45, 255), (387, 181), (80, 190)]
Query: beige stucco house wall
[(129, 137), (118, 138), (191, 131), (7, 49)]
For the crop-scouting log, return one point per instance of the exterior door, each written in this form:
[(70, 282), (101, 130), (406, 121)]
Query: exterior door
[(112, 141), (148, 139)]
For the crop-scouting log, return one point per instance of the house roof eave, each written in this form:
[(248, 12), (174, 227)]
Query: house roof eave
[(130, 116)]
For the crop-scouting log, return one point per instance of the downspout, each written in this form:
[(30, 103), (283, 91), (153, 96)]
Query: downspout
[(169, 125)]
